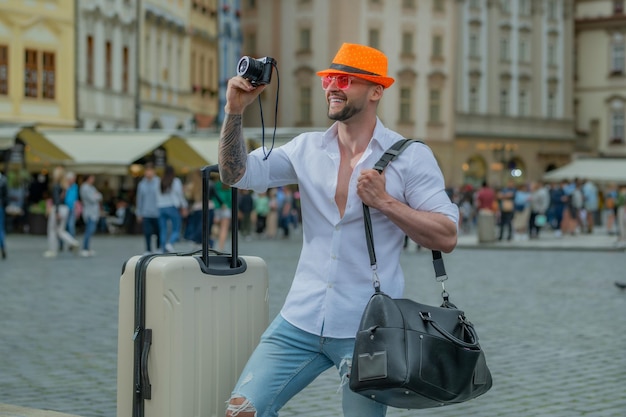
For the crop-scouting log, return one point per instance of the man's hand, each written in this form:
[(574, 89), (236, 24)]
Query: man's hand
[(370, 188), (239, 94)]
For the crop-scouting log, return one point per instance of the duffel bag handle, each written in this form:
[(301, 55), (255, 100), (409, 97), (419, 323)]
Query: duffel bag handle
[(425, 315)]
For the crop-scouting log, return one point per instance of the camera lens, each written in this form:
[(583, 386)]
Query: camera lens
[(243, 65)]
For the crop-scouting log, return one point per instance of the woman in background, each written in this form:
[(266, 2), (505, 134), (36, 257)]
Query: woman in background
[(172, 206), (57, 216)]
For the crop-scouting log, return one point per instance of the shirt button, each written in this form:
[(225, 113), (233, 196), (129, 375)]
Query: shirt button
[(330, 285), (337, 227), (333, 256)]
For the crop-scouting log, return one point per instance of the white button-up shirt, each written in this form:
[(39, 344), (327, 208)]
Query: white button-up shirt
[(333, 280)]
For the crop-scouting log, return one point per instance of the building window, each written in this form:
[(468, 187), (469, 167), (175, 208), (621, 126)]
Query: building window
[(504, 102), (523, 103), (506, 6), (473, 100), (618, 6), (551, 53), (89, 60), (552, 9), (202, 72), (4, 70), (31, 84), (374, 38), (616, 120), (434, 109), (33, 66), (48, 75), (125, 72), (405, 105), (474, 50), (474, 4), (504, 49), (617, 54), (523, 50), (551, 108), (407, 44), (305, 105), (524, 7), (108, 65), (305, 40), (408, 4), (438, 6), (437, 46)]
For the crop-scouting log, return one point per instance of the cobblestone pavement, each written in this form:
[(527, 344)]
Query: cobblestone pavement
[(551, 323)]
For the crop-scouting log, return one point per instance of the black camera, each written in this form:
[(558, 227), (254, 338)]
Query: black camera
[(257, 71)]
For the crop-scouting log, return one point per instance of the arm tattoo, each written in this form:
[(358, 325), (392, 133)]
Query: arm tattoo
[(232, 149)]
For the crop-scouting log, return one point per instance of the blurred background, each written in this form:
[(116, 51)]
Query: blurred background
[(501, 90)]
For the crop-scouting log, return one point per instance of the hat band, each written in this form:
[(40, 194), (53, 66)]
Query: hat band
[(353, 70)]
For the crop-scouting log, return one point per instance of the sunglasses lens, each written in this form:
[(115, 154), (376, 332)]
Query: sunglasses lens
[(341, 81)]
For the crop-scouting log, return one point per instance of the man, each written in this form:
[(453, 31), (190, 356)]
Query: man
[(146, 210), (317, 324), (506, 204)]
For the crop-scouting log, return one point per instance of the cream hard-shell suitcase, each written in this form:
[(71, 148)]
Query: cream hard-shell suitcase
[(187, 325)]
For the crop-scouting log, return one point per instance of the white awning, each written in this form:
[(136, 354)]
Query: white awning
[(594, 169), (207, 147), (108, 152)]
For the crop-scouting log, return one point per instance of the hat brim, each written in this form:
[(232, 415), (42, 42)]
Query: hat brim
[(377, 79)]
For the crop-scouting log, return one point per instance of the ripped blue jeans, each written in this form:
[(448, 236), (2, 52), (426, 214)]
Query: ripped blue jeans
[(288, 359)]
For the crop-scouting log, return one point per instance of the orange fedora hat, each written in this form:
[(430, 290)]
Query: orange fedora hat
[(360, 61)]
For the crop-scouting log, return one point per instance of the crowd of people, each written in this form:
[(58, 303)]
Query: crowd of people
[(568, 207), (165, 208)]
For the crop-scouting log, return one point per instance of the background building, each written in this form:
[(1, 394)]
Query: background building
[(37, 55), (600, 93), (514, 93), (164, 69), (203, 63), (107, 64)]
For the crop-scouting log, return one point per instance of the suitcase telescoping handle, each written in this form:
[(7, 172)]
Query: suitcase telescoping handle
[(234, 262)]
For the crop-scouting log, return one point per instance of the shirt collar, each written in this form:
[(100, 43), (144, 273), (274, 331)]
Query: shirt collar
[(380, 138)]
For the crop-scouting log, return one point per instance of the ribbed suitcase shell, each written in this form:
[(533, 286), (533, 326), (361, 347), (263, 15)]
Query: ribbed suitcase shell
[(204, 328)]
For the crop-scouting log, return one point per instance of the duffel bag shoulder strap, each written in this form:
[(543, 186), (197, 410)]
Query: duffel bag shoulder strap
[(391, 154)]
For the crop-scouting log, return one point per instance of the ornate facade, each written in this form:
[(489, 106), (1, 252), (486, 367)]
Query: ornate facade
[(37, 55), (107, 64), (600, 94)]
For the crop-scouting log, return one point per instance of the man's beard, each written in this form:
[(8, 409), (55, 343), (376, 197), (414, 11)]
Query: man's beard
[(347, 112)]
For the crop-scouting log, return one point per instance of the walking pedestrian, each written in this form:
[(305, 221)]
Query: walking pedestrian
[(172, 206), (621, 217), (539, 203), (91, 199), (506, 204), (333, 169), (246, 208), (223, 213), (193, 228), (57, 216), (4, 202), (261, 208), (72, 202), (146, 209)]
